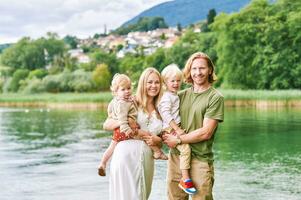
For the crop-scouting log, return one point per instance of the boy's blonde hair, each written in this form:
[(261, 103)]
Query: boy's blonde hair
[(119, 80), (170, 71), (141, 94)]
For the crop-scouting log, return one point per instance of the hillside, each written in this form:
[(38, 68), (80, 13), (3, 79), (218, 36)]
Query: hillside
[(188, 12)]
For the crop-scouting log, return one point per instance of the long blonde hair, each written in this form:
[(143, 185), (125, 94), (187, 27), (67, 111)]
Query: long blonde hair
[(141, 94), (187, 68)]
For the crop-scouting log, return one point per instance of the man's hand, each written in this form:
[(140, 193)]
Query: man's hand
[(170, 140)]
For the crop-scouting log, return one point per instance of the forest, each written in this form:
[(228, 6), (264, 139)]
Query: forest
[(256, 48)]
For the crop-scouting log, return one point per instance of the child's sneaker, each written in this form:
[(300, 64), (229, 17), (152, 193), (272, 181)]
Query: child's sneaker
[(187, 186)]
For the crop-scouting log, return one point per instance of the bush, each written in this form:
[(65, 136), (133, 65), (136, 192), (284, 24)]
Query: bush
[(81, 81), (51, 83), (64, 79), (38, 73), (101, 77), (19, 75), (34, 85), (1, 84)]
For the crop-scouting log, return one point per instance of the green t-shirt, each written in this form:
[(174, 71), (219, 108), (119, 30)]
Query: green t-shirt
[(194, 107)]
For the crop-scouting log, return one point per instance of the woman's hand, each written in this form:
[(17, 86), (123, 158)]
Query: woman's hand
[(152, 140), (170, 140)]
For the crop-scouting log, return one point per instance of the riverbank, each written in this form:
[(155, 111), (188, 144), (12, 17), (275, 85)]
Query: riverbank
[(233, 98)]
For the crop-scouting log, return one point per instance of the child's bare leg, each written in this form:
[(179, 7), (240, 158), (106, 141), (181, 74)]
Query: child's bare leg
[(158, 153), (105, 158)]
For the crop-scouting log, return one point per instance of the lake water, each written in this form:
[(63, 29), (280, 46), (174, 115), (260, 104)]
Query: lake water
[(53, 154)]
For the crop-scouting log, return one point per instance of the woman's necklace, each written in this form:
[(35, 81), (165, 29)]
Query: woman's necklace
[(148, 119)]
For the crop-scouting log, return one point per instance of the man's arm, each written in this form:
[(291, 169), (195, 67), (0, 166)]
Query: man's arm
[(198, 135), (201, 134)]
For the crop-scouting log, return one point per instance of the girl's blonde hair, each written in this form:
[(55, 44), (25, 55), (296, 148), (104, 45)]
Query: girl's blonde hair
[(141, 94), (119, 80), (170, 71), (187, 68)]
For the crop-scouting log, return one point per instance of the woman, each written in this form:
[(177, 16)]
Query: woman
[(132, 165)]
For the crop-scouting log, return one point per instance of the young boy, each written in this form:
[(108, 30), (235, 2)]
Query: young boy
[(169, 110), (122, 108)]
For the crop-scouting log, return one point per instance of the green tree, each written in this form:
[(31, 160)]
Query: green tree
[(257, 47), (71, 41), (101, 77), (110, 59), (143, 24)]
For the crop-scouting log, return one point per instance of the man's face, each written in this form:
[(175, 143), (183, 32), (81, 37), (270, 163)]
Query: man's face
[(200, 71)]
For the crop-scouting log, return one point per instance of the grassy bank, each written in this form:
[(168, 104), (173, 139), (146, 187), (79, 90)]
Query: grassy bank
[(266, 95), (103, 97)]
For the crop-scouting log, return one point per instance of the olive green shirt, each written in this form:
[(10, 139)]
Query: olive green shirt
[(194, 107)]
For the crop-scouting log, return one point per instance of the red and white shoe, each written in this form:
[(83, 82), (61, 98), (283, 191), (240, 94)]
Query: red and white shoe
[(187, 186)]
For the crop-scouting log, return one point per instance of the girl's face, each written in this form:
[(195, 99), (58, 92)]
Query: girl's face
[(153, 85), (173, 83), (124, 92)]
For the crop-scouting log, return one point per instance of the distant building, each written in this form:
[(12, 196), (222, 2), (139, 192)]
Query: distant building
[(79, 55)]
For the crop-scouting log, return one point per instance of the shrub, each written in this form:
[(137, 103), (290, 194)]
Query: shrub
[(101, 77), (51, 83), (81, 81), (38, 73), (34, 85), (18, 75)]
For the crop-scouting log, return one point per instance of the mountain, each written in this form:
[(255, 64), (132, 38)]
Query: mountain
[(188, 12)]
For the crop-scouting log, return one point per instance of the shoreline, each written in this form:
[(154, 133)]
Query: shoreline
[(103, 105)]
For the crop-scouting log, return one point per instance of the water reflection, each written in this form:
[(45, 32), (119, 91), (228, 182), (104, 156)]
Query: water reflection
[(54, 155)]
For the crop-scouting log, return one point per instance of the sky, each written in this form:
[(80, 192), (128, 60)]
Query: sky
[(80, 18)]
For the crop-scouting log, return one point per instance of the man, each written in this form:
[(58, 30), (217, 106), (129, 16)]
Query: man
[(201, 109)]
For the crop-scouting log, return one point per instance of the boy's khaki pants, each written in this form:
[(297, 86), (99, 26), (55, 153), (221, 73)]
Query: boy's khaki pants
[(202, 175)]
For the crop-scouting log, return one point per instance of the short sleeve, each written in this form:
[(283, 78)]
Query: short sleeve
[(215, 108)]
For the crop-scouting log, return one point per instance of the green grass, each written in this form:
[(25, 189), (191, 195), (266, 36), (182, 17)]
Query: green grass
[(104, 97), (270, 95), (100, 97)]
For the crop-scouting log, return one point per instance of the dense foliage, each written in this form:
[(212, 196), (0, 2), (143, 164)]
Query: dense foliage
[(143, 24), (256, 48)]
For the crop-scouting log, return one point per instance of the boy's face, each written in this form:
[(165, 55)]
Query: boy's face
[(124, 92), (173, 83)]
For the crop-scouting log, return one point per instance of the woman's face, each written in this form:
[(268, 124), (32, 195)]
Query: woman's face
[(153, 85)]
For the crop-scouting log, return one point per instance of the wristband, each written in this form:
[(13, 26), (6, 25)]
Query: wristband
[(179, 141)]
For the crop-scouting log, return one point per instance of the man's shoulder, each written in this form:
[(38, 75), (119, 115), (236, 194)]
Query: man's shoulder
[(216, 93), (184, 92)]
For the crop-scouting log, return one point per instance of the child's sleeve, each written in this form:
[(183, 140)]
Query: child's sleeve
[(164, 109), (122, 115)]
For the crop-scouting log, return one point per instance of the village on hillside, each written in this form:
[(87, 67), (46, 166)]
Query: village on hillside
[(147, 42)]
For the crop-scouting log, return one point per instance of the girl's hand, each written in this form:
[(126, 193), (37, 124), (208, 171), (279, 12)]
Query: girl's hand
[(170, 140)]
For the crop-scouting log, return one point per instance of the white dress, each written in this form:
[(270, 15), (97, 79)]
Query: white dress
[(132, 165)]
